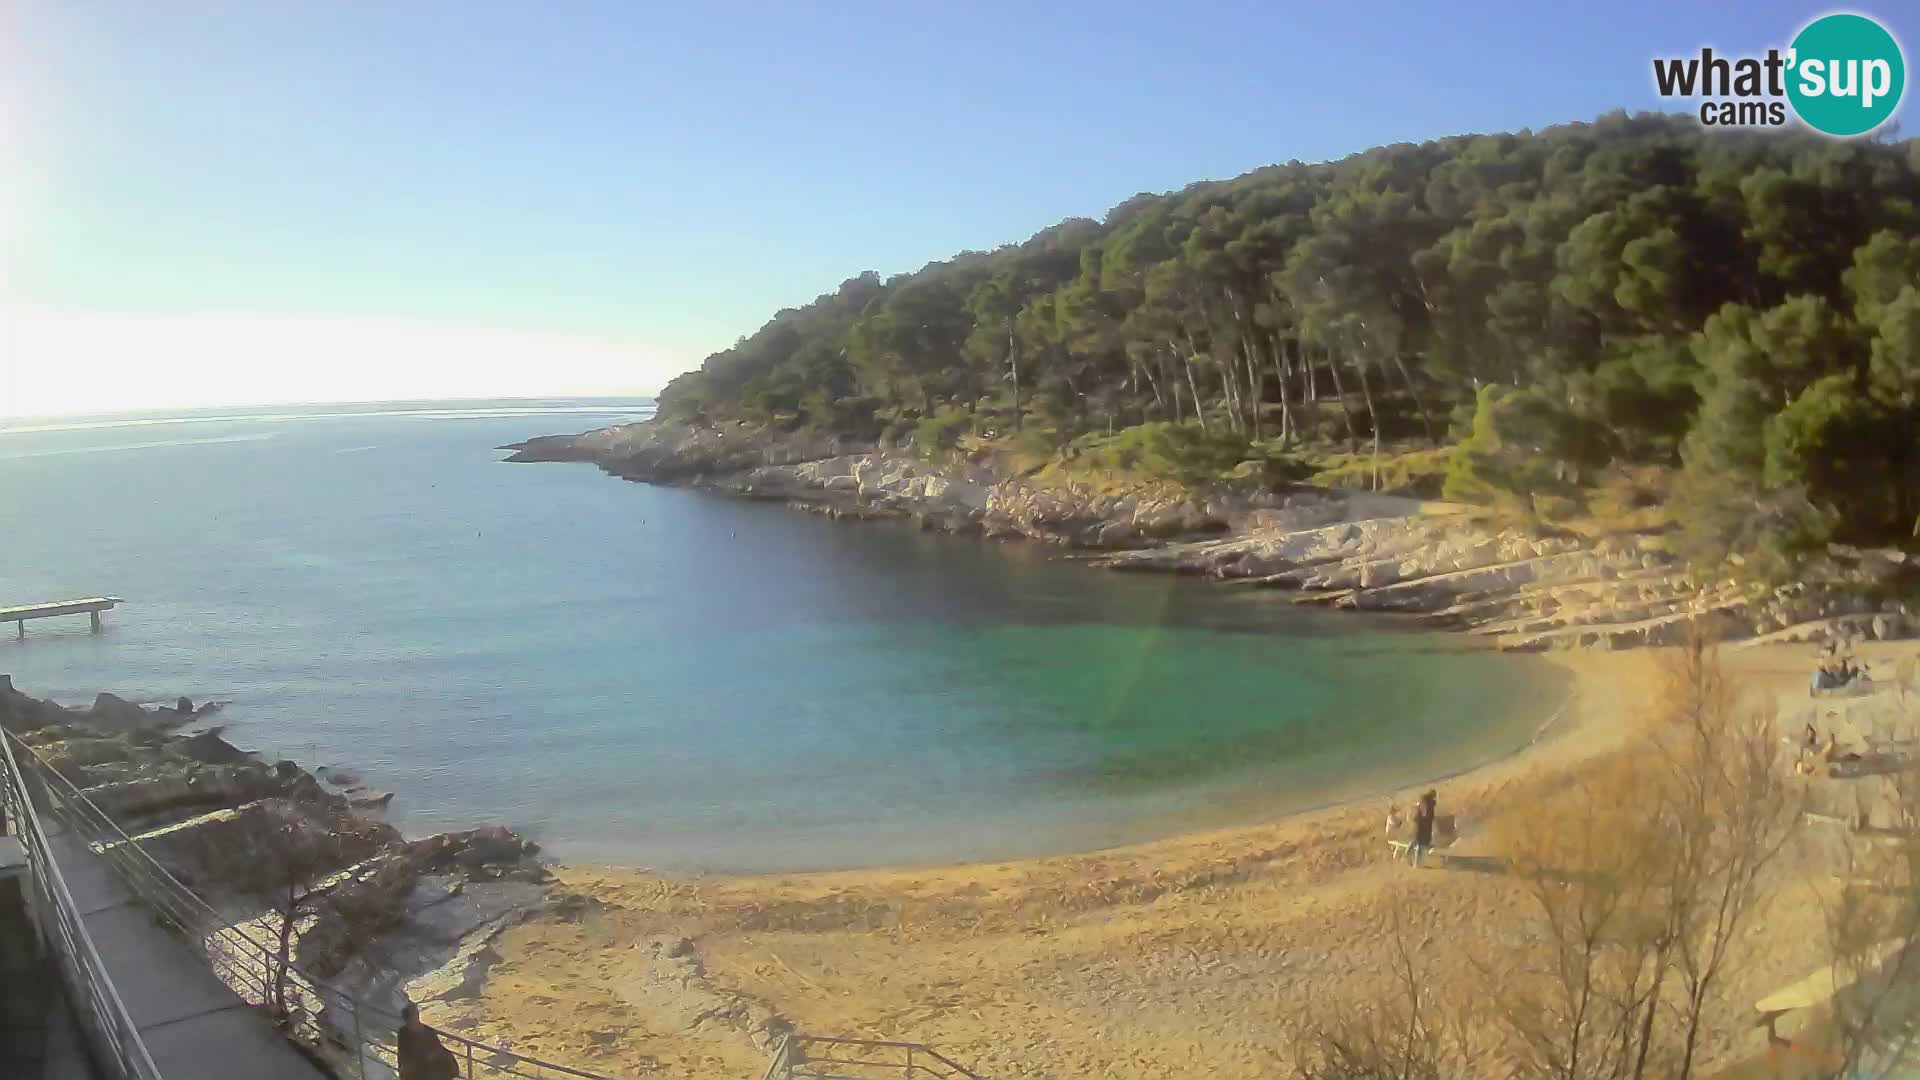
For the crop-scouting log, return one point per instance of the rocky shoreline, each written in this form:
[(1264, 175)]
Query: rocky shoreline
[(1519, 590), (393, 920)]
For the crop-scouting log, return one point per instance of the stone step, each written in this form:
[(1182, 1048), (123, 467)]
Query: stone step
[(1581, 616), (1436, 590), (1819, 631), (1496, 604), (175, 793), (1659, 630), (1537, 619), (176, 830)]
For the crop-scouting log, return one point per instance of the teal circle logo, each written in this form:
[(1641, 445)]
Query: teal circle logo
[(1846, 75)]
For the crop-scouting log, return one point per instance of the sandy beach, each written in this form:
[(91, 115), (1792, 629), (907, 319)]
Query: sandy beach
[(1192, 956)]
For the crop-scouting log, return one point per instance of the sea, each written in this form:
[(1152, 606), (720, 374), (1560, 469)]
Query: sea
[(658, 677)]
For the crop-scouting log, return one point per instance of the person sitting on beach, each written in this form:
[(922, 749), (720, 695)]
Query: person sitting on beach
[(1394, 821), (1831, 752), (1811, 744)]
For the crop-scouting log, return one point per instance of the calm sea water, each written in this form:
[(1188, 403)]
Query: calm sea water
[(658, 677)]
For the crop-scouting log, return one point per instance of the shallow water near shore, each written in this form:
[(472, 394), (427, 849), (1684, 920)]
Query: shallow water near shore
[(658, 677)]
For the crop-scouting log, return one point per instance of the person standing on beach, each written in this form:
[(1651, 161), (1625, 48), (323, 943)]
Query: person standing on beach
[(421, 1056), (1422, 827)]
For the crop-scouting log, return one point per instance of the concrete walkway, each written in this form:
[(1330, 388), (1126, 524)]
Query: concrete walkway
[(39, 1039), (193, 1024)]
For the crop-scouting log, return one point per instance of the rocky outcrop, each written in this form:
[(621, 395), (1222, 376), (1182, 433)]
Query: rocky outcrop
[(1842, 629), (109, 713), (683, 453), (391, 917), (1519, 590), (429, 891), (115, 713), (195, 787), (846, 479), (338, 777), (21, 714), (209, 748), (665, 982)]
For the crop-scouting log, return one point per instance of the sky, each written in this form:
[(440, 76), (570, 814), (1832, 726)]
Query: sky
[(256, 201)]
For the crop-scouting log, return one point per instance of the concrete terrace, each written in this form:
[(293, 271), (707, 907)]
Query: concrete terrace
[(39, 1039), (193, 1025)]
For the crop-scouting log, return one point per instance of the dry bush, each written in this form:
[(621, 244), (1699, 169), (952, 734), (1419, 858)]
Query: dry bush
[(1728, 809), (1569, 993), (291, 860), (1641, 876), (1410, 1033)]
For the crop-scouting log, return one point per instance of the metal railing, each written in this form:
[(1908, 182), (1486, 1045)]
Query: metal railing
[(797, 1055), (115, 1039), (328, 1019)]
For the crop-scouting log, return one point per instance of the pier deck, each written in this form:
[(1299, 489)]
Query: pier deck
[(92, 606)]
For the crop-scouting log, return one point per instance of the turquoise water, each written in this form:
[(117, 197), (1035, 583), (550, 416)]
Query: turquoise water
[(657, 677)]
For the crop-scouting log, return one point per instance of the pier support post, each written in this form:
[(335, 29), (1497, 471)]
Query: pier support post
[(95, 616), (21, 627)]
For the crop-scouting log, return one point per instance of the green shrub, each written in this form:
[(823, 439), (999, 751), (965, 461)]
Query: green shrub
[(1271, 470), (686, 398), (895, 430), (1418, 473), (1557, 508), (1631, 499), (854, 416), (1035, 440), (1169, 451), (941, 432), (1523, 443)]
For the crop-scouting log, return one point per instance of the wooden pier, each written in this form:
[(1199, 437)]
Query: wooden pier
[(90, 607)]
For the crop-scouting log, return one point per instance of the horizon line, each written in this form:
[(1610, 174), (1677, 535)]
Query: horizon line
[(168, 411)]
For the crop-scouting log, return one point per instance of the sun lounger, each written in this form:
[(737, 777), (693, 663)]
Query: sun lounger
[(1446, 831), (1397, 849), (1823, 985), (1448, 859), (1869, 764), (1856, 687), (1875, 833), (1891, 741)]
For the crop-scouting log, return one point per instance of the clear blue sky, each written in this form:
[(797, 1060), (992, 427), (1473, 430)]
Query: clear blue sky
[(655, 180)]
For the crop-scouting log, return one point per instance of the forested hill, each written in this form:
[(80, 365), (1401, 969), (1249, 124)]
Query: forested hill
[(1557, 306)]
